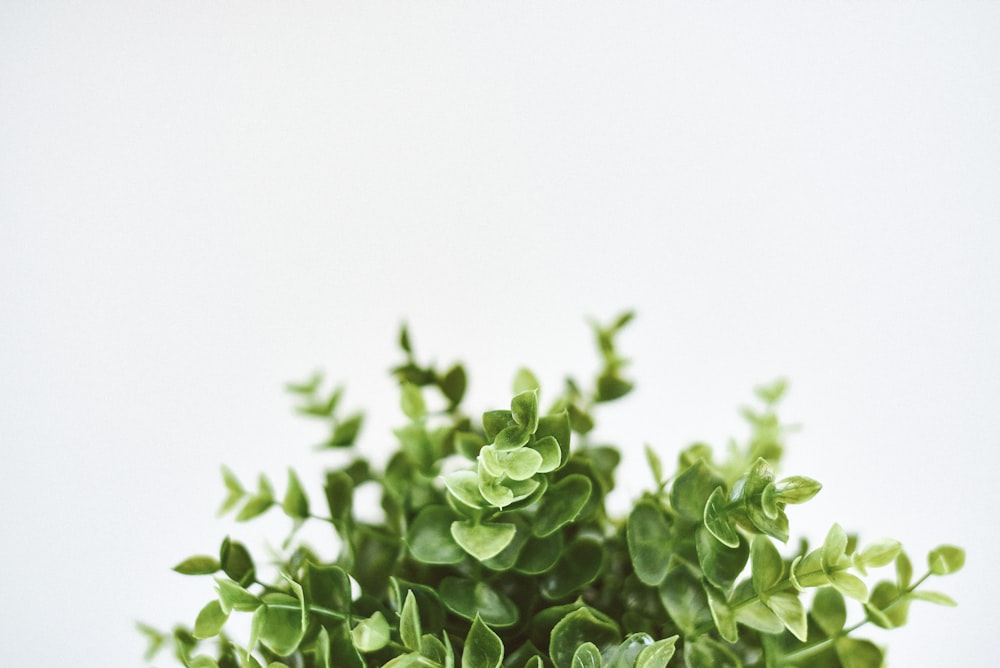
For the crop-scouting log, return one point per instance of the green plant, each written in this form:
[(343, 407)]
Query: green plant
[(497, 549)]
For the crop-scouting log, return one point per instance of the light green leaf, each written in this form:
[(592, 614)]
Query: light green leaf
[(796, 489), (234, 597), (296, 503), (284, 620), (518, 464), (464, 486), (429, 537), (483, 647), (198, 565), (849, 585), (877, 553), (210, 620), (722, 614), (548, 448), (685, 601), (858, 653), (704, 652), (787, 607), (409, 623), (587, 656), (933, 597), (946, 559), (834, 548), (412, 402), (524, 409), (525, 381), (720, 564), (904, 571), (203, 661), (658, 654), (562, 503), (259, 503), (371, 634), (648, 537), (346, 431), (321, 650)]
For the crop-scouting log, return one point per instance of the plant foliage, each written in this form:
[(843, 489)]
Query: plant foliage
[(497, 548)]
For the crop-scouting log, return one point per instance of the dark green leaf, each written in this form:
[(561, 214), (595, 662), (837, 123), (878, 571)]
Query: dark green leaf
[(429, 537), (704, 652), (237, 563), (685, 600), (578, 566), (561, 504), (577, 628), (540, 554), (720, 564), (722, 613), (483, 647), (691, 491), (648, 536), (717, 521), (453, 384), (469, 598), (346, 431)]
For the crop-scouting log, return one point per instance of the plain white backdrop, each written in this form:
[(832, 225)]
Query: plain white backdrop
[(200, 201)]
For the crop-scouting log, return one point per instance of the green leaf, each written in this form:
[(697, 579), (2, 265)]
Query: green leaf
[(556, 425), (259, 503), (834, 548), (518, 464), (878, 553), (284, 620), (525, 381), (464, 486), (849, 585), (482, 540), (234, 597), (885, 607), (717, 521), (371, 634), (722, 613), (524, 409), (946, 559), (787, 607), (321, 650), (658, 654), (412, 402), (198, 565), (577, 628), (685, 600), (483, 647), (153, 637), (648, 537), (796, 489), (772, 393), (496, 421), (587, 656), (933, 597), (548, 448), (236, 491), (308, 387), (409, 623), (858, 653), (539, 554), (720, 564), (904, 571), (829, 610), (704, 652), (562, 503), (210, 620), (691, 491), (296, 503), (468, 598), (236, 562), (453, 385), (429, 537), (578, 566), (346, 431), (767, 568), (611, 386), (203, 661), (327, 586)]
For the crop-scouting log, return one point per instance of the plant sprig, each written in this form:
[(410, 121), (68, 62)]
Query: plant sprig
[(497, 548)]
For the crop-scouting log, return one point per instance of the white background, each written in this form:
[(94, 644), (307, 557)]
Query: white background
[(200, 201)]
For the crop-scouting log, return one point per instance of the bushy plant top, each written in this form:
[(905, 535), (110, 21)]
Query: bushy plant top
[(497, 549)]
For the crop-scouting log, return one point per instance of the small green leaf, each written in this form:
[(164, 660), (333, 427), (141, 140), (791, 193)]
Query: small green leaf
[(524, 409), (210, 620), (722, 613), (308, 387), (648, 537), (858, 653), (470, 598), (796, 489), (878, 553), (577, 628), (346, 431), (483, 647), (933, 597), (234, 597), (321, 650), (946, 559), (198, 565), (295, 503), (787, 607), (236, 562), (429, 537), (849, 585), (904, 571), (371, 634), (412, 402), (203, 661), (885, 607), (658, 654), (829, 611), (691, 491), (283, 620), (706, 652), (720, 564), (562, 503), (464, 486), (685, 600), (767, 568), (409, 623), (717, 521), (834, 548), (453, 384), (577, 567), (525, 381), (587, 656), (539, 554)]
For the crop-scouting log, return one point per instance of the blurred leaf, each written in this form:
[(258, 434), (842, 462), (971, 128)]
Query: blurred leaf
[(412, 402), (346, 431), (946, 559), (295, 503), (198, 565), (210, 620)]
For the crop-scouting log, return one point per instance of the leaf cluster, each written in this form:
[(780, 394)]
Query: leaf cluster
[(497, 548)]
